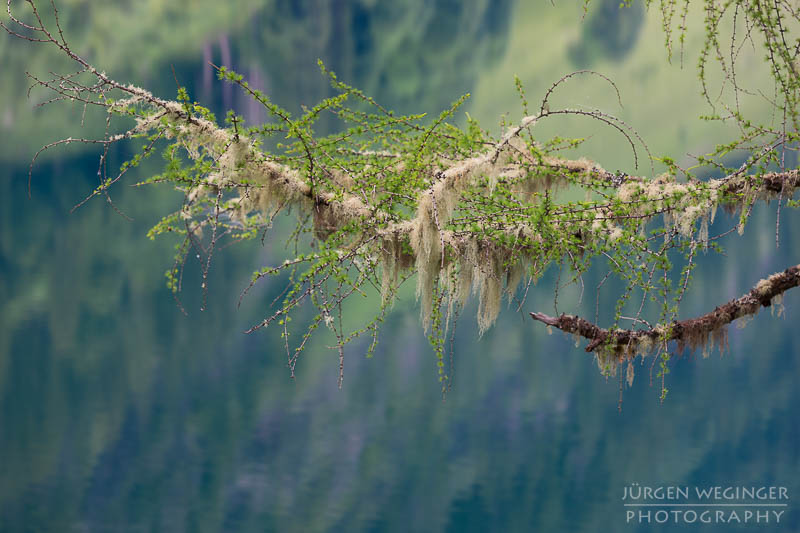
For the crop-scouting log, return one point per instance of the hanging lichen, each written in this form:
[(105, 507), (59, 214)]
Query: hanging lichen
[(390, 196)]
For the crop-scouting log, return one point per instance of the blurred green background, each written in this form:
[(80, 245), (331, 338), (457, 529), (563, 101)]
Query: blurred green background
[(119, 413)]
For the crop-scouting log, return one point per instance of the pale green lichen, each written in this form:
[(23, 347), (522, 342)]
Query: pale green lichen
[(764, 286), (460, 266), (630, 374), (777, 305)]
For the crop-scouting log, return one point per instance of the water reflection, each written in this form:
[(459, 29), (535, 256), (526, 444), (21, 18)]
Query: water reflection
[(118, 413)]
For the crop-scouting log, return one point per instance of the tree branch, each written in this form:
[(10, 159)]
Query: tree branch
[(692, 332)]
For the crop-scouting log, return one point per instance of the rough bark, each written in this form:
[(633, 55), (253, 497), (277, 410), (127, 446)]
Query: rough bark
[(690, 332)]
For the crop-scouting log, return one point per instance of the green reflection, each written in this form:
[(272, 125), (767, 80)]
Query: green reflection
[(118, 413)]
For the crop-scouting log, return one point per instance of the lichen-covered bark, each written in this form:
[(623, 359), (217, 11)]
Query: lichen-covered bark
[(692, 332)]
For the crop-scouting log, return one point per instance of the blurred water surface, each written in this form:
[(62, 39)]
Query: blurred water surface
[(119, 413)]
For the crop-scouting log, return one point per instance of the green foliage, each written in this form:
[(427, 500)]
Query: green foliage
[(380, 46), (388, 195)]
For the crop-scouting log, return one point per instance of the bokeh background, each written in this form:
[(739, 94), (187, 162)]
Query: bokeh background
[(119, 413)]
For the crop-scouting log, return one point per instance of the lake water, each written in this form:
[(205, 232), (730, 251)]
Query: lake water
[(119, 413)]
